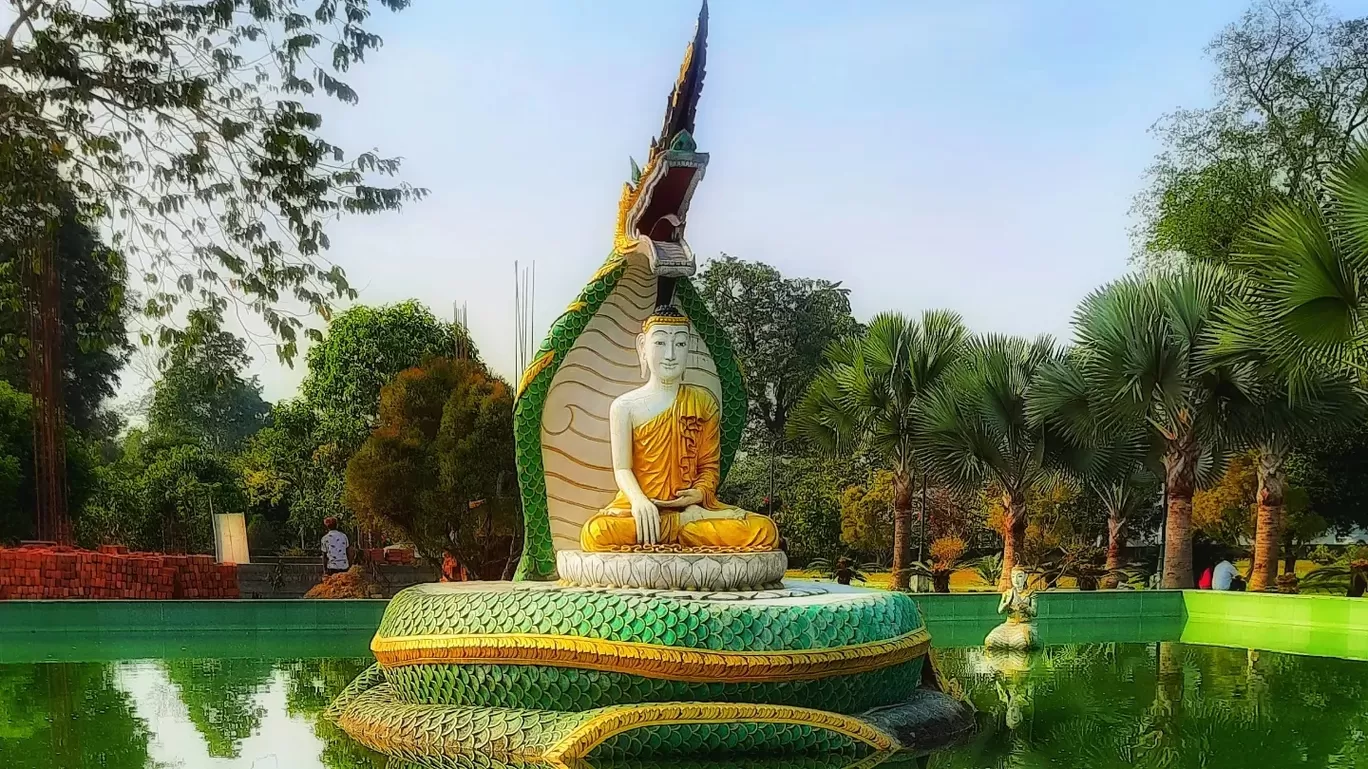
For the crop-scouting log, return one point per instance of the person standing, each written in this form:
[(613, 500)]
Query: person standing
[(334, 548)]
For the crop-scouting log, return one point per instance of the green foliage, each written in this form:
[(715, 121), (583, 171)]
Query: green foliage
[(288, 473), (16, 467), (1328, 579), (867, 395), (438, 470), (778, 327), (69, 714), (988, 568), (976, 427), (807, 497), (16, 462), (159, 495), (1224, 512), (1291, 89), (94, 314), (1142, 356), (364, 348), (188, 128), (867, 515), (201, 397), (1331, 470), (221, 699)]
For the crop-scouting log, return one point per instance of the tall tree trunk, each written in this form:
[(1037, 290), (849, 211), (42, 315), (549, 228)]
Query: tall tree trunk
[(1268, 535), (44, 297), (902, 530), (1180, 466), (1116, 542), (1013, 535)]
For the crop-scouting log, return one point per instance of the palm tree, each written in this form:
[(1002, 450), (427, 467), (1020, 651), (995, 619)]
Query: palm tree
[(1299, 321), (1113, 459), (867, 395), (976, 428), (1143, 352)]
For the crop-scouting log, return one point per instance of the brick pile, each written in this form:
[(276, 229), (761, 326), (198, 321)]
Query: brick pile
[(112, 572)]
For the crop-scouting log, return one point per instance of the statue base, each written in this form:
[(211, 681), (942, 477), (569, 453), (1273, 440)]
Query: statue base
[(1017, 636), (689, 570), (545, 672)]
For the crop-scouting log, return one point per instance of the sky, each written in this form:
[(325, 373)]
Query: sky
[(980, 156)]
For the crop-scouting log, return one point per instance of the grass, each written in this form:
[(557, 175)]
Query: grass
[(962, 581), (967, 580)]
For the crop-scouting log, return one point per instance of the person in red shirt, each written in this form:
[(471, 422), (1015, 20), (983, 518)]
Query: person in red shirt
[(1205, 582)]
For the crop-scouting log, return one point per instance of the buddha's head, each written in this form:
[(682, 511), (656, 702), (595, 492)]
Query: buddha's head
[(1018, 578), (663, 344)]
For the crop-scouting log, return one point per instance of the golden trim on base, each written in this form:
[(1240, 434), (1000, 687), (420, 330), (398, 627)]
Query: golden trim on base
[(592, 733), (675, 549), (671, 663)]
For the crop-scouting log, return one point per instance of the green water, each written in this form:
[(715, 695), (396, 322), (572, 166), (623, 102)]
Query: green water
[(255, 702)]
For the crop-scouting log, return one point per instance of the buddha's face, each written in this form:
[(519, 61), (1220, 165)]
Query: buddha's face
[(1018, 579), (664, 351)]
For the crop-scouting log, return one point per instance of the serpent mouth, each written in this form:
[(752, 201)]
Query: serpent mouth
[(656, 218)]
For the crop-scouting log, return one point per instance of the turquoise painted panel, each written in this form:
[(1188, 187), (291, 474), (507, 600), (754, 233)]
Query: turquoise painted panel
[(188, 616)]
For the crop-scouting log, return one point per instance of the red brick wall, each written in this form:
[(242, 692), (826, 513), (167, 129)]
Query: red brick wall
[(113, 572)]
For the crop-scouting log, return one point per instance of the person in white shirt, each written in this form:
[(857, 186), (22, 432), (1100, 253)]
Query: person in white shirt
[(1223, 575), (335, 546)]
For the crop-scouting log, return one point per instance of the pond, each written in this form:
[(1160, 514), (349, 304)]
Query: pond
[(1088, 705)]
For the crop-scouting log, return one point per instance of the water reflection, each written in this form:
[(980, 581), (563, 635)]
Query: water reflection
[(1160, 705), (1087, 706), (68, 715)]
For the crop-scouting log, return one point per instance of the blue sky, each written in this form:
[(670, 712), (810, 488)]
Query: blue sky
[(978, 155)]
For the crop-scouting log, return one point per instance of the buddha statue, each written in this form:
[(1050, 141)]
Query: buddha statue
[(665, 438), (1019, 603)]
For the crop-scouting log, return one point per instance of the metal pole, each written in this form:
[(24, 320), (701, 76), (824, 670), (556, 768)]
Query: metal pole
[(1163, 526), (921, 547), (774, 447)]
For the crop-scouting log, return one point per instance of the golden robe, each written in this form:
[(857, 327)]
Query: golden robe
[(681, 448)]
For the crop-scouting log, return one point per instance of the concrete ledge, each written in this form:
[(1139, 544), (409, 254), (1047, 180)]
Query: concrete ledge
[(1316, 625), (1065, 616), (95, 617)]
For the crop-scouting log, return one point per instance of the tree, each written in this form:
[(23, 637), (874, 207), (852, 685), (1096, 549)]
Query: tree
[(779, 328), (976, 429), (1234, 510), (201, 396), (807, 506), (1224, 512), (160, 494), (867, 515), (17, 481), (364, 349), (1291, 96), (1111, 458), (438, 470), (94, 314), (1332, 471), (1290, 322), (1141, 347), (185, 127), (867, 395), (288, 472)]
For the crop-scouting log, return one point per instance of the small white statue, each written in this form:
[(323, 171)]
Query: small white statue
[(1018, 632)]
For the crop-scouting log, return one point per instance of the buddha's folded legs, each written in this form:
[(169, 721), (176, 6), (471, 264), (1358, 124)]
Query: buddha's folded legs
[(607, 531)]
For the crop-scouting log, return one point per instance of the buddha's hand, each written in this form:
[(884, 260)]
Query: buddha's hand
[(682, 500), (647, 518)]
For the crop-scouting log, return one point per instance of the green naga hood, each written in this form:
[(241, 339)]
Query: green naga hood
[(589, 356)]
